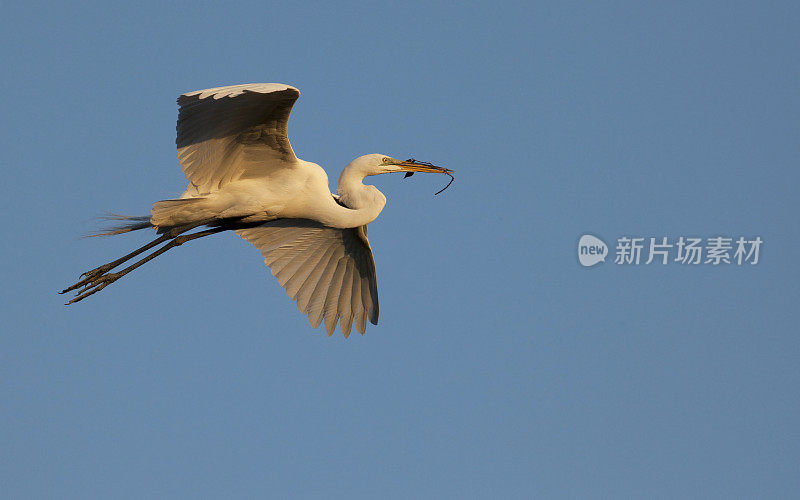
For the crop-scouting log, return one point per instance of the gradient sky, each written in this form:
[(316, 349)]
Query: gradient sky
[(500, 367)]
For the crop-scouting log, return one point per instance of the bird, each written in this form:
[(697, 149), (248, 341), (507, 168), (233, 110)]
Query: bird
[(244, 177)]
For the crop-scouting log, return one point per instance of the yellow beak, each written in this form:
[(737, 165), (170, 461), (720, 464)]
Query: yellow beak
[(410, 166), (413, 165)]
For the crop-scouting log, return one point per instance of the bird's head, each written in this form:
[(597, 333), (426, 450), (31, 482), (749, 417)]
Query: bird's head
[(374, 164)]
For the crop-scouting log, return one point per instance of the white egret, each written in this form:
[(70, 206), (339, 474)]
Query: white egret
[(243, 176)]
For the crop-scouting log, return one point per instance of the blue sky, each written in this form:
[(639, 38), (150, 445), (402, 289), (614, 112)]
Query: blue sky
[(500, 367)]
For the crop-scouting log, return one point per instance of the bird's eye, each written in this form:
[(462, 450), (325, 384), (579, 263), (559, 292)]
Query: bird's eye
[(386, 159)]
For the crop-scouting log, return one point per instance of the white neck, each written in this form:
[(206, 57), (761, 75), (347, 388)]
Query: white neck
[(364, 203)]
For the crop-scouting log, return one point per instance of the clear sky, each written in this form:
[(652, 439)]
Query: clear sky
[(501, 367)]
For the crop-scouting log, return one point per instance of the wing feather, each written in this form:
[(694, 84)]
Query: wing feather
[(369, 286), (306, 296), (292, 259), (331, 305), (296, 283), (293, 267), (330, 272), (316, 306), (345, 297), (230, 133)]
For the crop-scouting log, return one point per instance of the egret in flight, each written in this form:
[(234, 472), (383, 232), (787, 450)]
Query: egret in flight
[(244, 177)]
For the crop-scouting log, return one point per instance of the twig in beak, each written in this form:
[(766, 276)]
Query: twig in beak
[(409, 174), (447, 186)]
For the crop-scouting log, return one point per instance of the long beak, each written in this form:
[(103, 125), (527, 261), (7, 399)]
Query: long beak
[(413, 165), (410, 166)]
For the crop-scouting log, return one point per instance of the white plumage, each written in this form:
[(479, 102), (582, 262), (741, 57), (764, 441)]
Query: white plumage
[(244, 176)]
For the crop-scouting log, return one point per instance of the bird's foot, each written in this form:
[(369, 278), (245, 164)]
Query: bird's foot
[(93, 285), (88, 276)]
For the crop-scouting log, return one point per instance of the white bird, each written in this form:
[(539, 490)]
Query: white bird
[(243, 176)]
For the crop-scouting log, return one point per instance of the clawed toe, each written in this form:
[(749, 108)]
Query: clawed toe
[(93, 286)]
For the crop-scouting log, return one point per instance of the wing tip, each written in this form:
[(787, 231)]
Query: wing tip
[(236, 90)]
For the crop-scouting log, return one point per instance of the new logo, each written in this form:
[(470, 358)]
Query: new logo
[(591, 250)]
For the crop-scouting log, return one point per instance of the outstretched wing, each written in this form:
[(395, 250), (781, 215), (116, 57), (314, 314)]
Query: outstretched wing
[(328, 271), (230, 133)]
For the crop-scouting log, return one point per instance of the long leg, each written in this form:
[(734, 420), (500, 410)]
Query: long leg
[(97, 283), (88, 276)]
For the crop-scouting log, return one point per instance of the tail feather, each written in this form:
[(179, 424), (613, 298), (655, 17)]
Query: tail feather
[(168, 213), (124, 224)]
